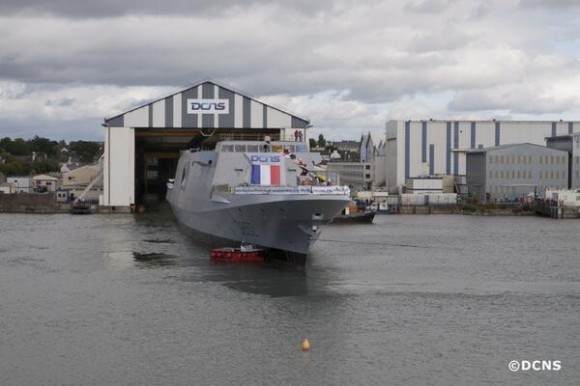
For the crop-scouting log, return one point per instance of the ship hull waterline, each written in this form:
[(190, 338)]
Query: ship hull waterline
[(286, 225)]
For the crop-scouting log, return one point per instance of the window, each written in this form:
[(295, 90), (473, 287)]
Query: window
[(253, 149), (240, 148)]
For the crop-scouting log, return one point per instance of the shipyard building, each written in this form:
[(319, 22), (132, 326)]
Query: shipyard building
[(509, 172), (571, 144), (142, 145), (366, 174), (420, 148)]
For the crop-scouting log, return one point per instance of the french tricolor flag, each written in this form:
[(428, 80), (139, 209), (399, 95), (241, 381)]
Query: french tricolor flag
[(265, 170)]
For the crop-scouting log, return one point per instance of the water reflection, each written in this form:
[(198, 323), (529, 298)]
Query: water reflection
[(154, 259), (154, 241), (268, 278)]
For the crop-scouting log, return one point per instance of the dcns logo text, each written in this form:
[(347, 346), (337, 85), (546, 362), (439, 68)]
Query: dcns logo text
[(535, 365), (208, 106)]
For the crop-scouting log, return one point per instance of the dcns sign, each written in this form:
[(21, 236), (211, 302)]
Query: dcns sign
[(208, 106)]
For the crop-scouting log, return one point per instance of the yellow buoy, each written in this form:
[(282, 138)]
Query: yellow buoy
[(305, 345)]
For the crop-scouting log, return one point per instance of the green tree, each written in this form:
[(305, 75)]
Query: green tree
[(15, 167), (5, 144), (321, 141), (312, 142), (87, 152), (43, 146), (18, 146), (44, 167)]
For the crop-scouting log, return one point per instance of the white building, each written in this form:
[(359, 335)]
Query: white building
[(357, 175), (433, 147), (22, 184), (45, 183), (565, 197), (142, 145)]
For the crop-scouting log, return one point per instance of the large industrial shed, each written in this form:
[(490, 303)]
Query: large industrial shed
[(571, 144), (417, 148), (514, 171), (142, 145)]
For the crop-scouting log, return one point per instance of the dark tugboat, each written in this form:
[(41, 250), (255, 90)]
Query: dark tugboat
[(80, 207), (355, 214)]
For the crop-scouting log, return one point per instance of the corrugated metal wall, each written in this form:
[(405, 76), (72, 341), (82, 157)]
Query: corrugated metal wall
[(439, 146), (175, 111)]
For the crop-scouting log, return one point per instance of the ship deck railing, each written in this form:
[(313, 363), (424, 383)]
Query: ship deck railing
[(290, 189)]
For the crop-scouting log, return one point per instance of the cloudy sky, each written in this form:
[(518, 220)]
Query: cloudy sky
[(347, 65)]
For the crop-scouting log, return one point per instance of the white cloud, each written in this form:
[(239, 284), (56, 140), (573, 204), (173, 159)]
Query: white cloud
[(348, 66)]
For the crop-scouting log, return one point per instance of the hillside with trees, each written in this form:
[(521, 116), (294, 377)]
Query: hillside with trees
[(20, 157)]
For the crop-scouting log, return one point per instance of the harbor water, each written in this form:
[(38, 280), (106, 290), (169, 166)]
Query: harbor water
[(408, 300)]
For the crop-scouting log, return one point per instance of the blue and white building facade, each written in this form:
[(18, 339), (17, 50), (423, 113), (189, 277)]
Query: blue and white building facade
[(204, 107), (420, 148)]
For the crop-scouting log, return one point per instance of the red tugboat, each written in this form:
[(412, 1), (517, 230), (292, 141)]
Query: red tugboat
[(245, 252)]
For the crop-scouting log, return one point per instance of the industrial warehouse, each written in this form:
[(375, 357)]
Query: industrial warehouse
[(434, 147), (142, 145), (148, 139), (413, 164)]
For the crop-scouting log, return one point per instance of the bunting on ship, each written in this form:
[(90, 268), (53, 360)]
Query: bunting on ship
[(266, 169)]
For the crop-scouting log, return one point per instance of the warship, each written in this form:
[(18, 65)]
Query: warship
[(256, 192)]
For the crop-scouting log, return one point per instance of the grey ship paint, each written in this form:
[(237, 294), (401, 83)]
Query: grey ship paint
[(243, 191)]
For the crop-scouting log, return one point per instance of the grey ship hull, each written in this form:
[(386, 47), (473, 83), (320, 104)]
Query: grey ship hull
[(286, 223)]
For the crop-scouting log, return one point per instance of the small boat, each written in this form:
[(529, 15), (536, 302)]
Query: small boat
[(355, 214), (243, 253), (80, 207)]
